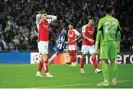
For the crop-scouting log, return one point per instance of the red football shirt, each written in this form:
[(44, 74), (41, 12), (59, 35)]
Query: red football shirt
[(72, 36), (88, 31), (43, 32)]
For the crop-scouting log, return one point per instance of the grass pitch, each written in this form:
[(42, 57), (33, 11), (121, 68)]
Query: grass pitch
[(23, 76)]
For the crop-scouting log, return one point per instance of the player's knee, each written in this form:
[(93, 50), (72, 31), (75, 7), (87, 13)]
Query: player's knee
[(93, 55), (103, 62), (112, 61), (44, 57), (83, 55)]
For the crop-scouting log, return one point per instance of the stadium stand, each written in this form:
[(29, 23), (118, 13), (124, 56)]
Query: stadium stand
[(18, 30)]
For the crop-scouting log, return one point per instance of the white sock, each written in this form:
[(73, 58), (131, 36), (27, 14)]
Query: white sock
[(114, 79), (72, 63), (53, 56), (105, 80), (38, 72), (47, 73), (75, 63), (82, 69)]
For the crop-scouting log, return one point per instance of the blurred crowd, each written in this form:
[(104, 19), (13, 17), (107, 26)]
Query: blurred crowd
[(18, 31)]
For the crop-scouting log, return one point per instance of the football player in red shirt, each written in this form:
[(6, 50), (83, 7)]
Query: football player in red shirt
[(42, 21), (88, 45), (72, 38)]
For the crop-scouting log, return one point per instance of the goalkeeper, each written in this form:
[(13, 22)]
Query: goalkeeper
[(109, 37)]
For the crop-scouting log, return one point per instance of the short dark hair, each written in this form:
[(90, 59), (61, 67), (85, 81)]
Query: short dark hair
[(43, 12), (71, 24), (108, 9), (91, 18)]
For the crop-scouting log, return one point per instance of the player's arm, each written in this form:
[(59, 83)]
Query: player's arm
[(77, 34), (84, 36), (51, 18), (62, 38), (118, 38), (99, 34), (68, 36), (38, 18)]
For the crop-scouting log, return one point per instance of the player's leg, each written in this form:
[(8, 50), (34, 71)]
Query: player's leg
[(94, 59), (43, 49), (74, 57), (114, 72), (104, 50), (112, 57), (72, 53), (71, 57), (54, 55), (40, 66), (82, 61), (84, 51), (95, 63), (105, 73)]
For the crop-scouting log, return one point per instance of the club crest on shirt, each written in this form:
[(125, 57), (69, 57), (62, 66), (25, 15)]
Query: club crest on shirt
[(90, 32), (70, 35), (45, 26)]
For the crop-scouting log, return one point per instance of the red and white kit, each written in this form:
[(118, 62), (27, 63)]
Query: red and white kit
[(88, 46), (43, 38), (43, 32), (72, 33), (71, 37)]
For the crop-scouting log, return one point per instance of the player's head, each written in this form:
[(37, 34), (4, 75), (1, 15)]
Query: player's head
[(43, 15), (63, 31), (70, 26), (91, 21), (109, 10)]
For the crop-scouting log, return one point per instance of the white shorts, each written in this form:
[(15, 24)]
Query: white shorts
[(43, 47), (72, 47), (85, 49)]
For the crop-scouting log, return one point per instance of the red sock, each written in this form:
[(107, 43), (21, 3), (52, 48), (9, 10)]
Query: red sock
[(74, 55), (82, 62), (45, 64), (74, 58), (40, 66), (71, 56), (94, 61)]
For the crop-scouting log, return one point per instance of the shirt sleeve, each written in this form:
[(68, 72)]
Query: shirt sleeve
[(99, 33), (38, 17), (76, 32), (51, 18), (83, 28), (99, 30)]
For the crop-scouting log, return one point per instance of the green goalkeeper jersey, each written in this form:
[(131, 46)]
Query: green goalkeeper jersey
[(108, 30)]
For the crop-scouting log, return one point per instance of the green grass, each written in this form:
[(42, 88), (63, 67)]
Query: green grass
[(23, 76)]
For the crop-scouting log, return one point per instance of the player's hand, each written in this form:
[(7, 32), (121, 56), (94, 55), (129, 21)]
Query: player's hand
[(75, 40), (118, 47), (91, 40)]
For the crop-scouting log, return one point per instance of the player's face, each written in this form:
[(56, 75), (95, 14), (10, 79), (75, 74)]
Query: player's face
[(44, 16), (91, 22), (63, 31), (70, 27)]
